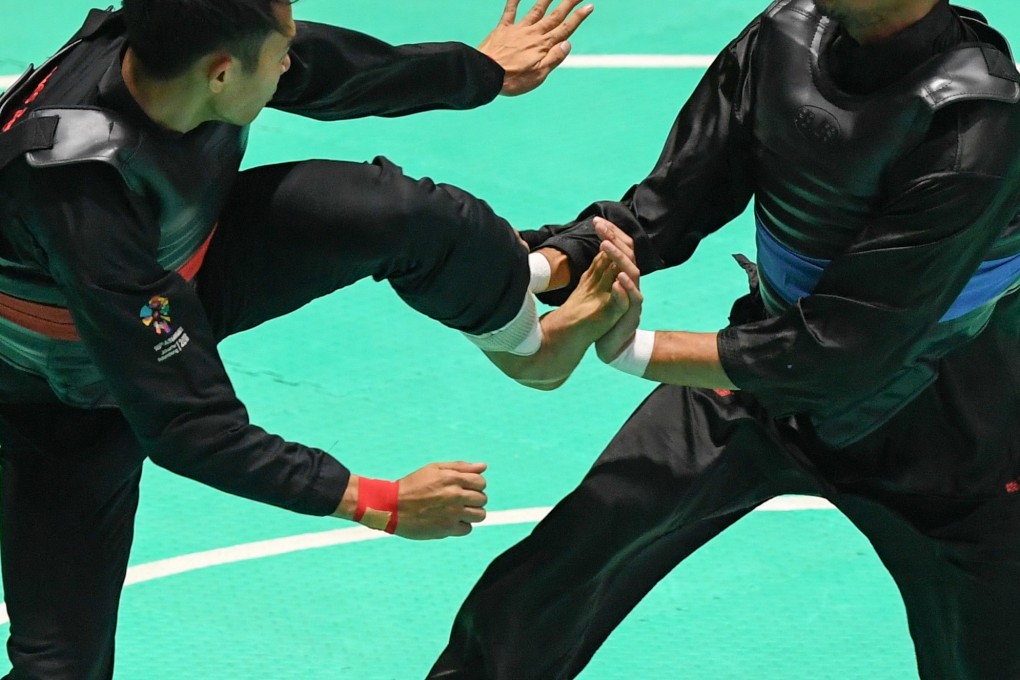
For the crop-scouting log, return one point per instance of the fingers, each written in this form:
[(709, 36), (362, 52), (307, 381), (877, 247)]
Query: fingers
[(471, 481), (554, 57), (599, 266), (473, 515), (467, 516), (604, 271), (461, 466), (562, 13), (621, 261), (469, 477), (563, 28), (634, 294), (509, 12), (607, 231), (441, 499), (474, 499), (619, 246), (536, 13), (621, 300)]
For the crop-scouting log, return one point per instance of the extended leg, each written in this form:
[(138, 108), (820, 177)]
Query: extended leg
[(957, 565), (685, 466), (294, 232)]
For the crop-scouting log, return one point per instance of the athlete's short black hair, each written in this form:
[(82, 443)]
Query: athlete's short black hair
[(168, 36)]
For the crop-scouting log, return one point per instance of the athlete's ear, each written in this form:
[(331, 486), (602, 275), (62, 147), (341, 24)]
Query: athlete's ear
[(219, 68)]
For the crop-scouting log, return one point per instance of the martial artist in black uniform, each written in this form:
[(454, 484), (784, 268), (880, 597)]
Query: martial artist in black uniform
[(130, 245), (876, 363)]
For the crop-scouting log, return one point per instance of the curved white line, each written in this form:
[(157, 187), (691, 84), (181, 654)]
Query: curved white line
[(324, 539)]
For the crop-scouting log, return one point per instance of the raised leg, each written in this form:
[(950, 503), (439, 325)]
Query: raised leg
[(294, 232)]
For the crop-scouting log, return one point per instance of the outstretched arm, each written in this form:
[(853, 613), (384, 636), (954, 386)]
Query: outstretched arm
[(339, 74)]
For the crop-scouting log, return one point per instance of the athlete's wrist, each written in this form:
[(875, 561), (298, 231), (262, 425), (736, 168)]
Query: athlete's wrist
[(349, 503), (559, 268)]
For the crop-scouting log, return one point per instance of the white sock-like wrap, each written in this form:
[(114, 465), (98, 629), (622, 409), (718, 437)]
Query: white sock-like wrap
[(635, 357), (522, 336), (541, 273)]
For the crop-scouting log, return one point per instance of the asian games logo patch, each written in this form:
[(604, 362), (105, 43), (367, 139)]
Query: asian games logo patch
[(156, 315)]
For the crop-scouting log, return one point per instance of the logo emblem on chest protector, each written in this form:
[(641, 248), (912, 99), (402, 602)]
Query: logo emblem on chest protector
[(817, 125)]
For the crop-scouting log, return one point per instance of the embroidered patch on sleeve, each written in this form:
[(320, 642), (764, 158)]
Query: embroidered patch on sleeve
[(156, 315)]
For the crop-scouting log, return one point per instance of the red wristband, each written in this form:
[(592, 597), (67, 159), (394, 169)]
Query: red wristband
[(379, 495)]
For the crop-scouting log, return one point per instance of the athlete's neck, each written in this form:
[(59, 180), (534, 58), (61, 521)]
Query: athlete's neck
[(171, 104), (880, 21)]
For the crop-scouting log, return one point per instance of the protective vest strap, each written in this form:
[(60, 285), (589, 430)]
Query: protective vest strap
[(37, 134)]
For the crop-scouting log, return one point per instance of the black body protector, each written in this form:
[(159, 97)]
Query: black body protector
[(836, 158), (35, 325), (819, 182)]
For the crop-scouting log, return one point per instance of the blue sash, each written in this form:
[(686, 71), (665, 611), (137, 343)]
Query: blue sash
[(793, 276)]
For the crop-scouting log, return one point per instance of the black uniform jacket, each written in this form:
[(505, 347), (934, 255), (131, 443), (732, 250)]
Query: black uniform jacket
[(118, 256), (886, 183)]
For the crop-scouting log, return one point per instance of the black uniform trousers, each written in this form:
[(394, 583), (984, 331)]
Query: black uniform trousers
[(289, 234), (932, 490)]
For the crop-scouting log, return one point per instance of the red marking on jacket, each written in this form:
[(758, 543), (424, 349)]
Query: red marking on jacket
[(31, 98)]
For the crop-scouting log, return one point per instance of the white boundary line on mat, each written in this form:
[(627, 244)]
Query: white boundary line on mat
[(323, 539)]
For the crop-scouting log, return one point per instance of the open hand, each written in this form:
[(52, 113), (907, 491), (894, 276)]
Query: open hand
[(620, 248), (529, 49)]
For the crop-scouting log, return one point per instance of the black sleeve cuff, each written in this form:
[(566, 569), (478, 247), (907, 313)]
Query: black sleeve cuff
[(324, 494), (491, 77)]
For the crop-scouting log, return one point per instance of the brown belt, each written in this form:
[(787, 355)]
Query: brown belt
[(53, 322), (56, 323)]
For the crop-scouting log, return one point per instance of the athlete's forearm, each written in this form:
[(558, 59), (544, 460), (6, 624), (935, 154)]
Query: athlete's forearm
[(559, 266), (690, 359)]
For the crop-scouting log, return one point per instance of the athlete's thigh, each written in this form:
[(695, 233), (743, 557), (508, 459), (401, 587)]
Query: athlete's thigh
[(288, 234), (706, 453), (981, 553), (686, 465), (294, 232), (69, 493), (957, 565)]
